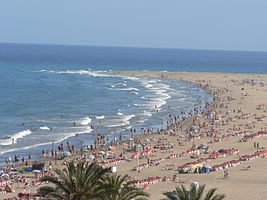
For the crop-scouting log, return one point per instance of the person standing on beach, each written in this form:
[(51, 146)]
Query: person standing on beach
[(225, 174)]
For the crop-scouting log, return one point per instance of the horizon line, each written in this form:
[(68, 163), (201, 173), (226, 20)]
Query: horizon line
[(138, 47)]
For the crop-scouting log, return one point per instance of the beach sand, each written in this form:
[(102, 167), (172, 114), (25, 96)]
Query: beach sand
[(233, 92), (241, 184)]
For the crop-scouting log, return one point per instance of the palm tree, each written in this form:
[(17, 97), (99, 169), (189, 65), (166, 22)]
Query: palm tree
[(117, 188), (195, 193), (76, 182)]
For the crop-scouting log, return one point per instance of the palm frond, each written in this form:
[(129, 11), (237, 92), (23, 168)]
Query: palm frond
[(195, 193), (218, 197)]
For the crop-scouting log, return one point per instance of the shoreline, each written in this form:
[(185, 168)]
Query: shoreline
[(234, 80), (77, 141), (250, 183)]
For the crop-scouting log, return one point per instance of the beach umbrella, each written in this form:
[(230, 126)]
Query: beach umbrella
[(135, 155), (101, 152), (28, 163), (193, 167), (36, 171), (4, 175)]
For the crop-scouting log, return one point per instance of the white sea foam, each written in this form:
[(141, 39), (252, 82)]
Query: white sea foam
[(159, 94), (148, 85), (44, 128), (142, 105), (135, 93), (85, 121), (128, 117), (159, 90), (109, 70), (119, 113), (147, 113), (116, 125), (85, 130), (159, 101), (130, 78), (13, 138), (82, 72), (122, 121), (127, 89), (100, 117), (156, 103)]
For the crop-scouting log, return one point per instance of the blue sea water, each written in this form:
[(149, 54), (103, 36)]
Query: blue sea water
[(50, 93)]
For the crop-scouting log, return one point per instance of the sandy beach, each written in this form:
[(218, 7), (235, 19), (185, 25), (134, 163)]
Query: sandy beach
[(235, 121)]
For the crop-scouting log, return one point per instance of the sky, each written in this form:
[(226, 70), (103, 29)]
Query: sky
[(184, 24)]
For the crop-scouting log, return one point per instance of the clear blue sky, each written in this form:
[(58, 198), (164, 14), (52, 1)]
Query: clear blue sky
[(194, 24)]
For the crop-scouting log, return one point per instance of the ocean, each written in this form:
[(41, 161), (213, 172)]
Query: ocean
[(51, 93)]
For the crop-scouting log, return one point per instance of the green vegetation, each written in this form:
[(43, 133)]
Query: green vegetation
[(93, 182), (195, 193)]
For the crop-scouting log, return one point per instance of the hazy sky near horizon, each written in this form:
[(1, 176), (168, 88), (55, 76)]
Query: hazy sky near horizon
[(193, 24)]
